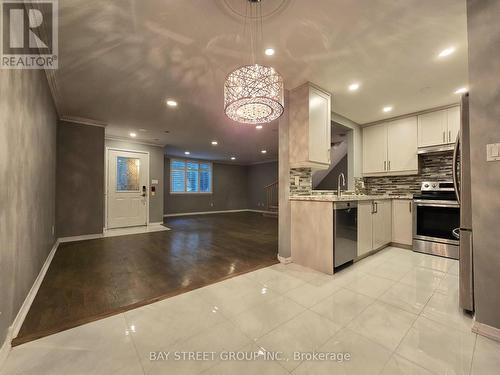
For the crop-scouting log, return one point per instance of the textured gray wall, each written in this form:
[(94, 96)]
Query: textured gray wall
[(260, 175), (27, 193), (484, 75), (229, 191), (156, 172), (331, 179), (284, 222), (80, 179)]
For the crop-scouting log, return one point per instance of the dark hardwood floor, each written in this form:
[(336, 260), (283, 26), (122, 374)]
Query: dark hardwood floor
[(92, 279)]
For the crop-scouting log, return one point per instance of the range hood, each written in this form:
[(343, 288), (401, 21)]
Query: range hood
[(434, 149)]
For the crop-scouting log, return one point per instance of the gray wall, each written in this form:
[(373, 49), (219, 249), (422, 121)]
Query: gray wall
[(260, 175), (331, 179), (484, 75), (156, 172), (284, 222), (80, 179), (229, 191), (27, 193)]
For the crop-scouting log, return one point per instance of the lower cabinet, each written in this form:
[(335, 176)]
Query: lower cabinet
[(402, 221), (374, 225)]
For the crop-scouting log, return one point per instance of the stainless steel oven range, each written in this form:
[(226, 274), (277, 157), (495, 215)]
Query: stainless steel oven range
[(436, 216)]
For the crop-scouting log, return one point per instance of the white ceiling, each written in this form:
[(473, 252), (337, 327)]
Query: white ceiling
[(120, 60)]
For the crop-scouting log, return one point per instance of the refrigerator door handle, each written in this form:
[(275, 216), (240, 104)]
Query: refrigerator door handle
[(455, 171)]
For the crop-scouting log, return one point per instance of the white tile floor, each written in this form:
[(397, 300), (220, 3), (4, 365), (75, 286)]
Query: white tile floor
[(395, 312)]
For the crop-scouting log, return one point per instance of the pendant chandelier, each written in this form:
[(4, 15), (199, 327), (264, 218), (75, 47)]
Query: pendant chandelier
[(253, 94)]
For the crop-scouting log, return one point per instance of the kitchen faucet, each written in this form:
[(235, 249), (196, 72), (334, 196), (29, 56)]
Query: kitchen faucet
[(339, 192)]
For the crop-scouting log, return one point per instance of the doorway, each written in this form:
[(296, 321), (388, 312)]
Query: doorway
[(127, 176)]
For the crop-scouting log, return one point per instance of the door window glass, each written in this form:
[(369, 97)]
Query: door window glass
[(127, 174)]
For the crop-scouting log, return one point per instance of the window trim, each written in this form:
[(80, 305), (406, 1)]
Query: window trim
[(185, 176)]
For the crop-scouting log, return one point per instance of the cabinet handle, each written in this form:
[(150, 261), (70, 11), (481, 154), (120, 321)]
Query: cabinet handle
[(385, 163), (409, 206), (376, 207), (449, 136), (389, 165), (444, 136)]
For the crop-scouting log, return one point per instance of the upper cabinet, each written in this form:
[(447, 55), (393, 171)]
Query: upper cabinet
[(390, 148), (310, 127), (439, 127)]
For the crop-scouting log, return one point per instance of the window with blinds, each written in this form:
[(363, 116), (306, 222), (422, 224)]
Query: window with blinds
[(190, 176)]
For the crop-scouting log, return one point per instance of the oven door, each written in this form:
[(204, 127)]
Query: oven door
[(436, 220)]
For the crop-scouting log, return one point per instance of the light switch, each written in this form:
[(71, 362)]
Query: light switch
[(493, 152)]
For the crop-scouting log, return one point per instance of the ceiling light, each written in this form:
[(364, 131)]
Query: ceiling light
[(263, 151), (387, 109), (269, 51), (353, 86), (143, 130), (215, 143), (258, 127), (254, 93), (171, 103), (446, 52), (133, 135), (187, 153), (233, 158), (461, 90)]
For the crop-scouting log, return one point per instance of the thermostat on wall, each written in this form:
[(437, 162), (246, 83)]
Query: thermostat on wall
[(493, 152)]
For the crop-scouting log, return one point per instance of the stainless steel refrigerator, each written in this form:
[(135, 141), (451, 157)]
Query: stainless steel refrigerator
[(462, 182)]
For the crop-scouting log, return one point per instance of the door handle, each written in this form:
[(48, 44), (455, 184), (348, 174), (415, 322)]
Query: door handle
[(143, 190)]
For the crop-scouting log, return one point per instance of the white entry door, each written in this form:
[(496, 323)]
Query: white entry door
[(127, 190)]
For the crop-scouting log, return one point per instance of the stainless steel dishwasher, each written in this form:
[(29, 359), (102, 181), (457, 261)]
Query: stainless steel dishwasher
[(345, 232)]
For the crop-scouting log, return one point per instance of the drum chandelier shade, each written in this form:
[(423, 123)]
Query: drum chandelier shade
[(253, 94)]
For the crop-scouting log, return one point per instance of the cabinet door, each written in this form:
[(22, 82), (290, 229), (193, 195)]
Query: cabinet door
[(402, 145), (375, 149), (365, 243), (432, 128), (382, 223), (453, 123), (319, 126), (402, 221)]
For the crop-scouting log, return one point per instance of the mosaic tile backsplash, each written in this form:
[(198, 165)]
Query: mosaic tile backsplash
[(434, 167), (304, 186)]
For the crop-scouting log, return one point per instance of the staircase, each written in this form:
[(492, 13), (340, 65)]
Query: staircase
[(271, 200)]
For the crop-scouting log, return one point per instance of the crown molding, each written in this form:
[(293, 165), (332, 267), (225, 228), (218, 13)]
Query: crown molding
[(83, 121), (129, 140)]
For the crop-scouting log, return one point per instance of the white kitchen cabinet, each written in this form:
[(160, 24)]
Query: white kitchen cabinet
[(390, 148), (402, 221), (382, 223), (374, 225), (453, 122), (375, 149), (365, 230), (432, 128), (438, 127), (310, 127), (402, 145)]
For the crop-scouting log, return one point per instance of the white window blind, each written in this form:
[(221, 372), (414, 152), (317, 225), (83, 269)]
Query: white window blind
[(190, 176)]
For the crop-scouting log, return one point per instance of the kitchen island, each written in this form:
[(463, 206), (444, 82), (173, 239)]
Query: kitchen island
[(312, 226)]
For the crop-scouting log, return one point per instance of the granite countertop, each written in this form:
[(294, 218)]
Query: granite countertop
[(346, 198)]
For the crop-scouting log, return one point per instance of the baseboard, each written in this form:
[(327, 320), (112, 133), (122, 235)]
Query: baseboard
[(284, 260), (486, 330), (23, 311), (401, 245), (80, 238), (156, 223), (216, 212)]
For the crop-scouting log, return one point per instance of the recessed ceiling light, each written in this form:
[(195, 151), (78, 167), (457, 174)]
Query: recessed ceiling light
[(263, 151), (387, 109), (269, 51), (258, 127), (187, 153), (461, 90), (133, 135), (215, 143), (446, 52), (171, 103), (233, 158), (143, 130), (353, 86)]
